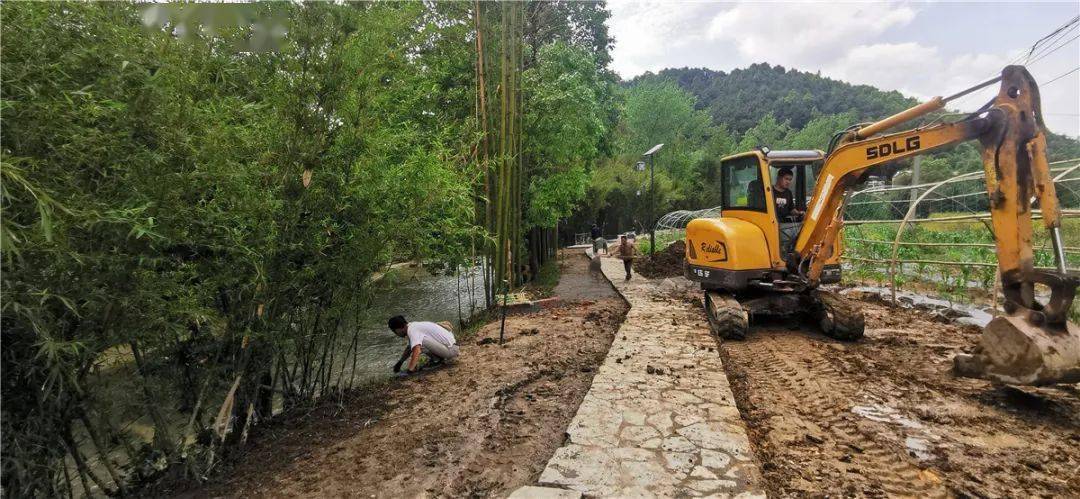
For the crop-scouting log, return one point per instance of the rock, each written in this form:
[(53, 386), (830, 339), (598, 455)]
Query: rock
[(638, 434), (634, 417), (678, 444), (533, 492), (815, 439), (703, 472), (716, 460), (679, 461)]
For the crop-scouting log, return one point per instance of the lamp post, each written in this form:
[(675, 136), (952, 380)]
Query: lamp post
[(652, 196)]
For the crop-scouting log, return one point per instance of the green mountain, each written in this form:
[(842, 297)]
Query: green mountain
[(742, 97)]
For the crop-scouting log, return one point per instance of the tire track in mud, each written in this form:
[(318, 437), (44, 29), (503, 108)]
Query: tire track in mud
[(788, 375)]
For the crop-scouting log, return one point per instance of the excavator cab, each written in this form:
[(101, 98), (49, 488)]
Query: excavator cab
[(748, 246)]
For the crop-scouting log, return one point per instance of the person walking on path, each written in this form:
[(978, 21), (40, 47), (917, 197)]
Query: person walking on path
[(427, 337), (626, 252), (598, 240)]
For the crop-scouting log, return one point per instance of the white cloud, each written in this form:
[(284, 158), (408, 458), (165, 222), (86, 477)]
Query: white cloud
[(804, 34), (887, 65), (919, 71), (647, 32), (879, 44)]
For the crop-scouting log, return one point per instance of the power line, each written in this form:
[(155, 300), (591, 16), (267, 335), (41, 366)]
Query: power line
[(1056, 78), (1055, 49), (1050, 43), (1071, 22), (1059, 31), (1049, 48)]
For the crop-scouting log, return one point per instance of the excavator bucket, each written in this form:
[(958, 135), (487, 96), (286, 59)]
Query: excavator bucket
[(1014, 351), (1031, 345)]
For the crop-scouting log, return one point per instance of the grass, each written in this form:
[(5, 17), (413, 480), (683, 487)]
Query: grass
[(543, 286), (664, 239), (958, 283)]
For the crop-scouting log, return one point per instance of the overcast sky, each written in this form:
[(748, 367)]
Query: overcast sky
[(920, 49)]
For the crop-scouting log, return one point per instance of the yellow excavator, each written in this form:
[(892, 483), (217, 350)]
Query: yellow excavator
[(753, 260)]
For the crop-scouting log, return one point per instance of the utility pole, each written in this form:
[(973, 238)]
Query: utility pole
[(915, 169), (652, 197)]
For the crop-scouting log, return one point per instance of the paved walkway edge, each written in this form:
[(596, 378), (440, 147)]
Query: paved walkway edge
[(659, 419)]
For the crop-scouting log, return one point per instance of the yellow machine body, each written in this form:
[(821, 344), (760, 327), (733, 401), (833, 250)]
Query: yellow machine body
[(744, 244)]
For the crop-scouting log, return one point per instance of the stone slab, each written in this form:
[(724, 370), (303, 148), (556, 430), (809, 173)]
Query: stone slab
[(534, 492), (659, 419)]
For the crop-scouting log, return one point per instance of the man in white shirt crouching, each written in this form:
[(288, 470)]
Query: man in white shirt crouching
[(427, 337)]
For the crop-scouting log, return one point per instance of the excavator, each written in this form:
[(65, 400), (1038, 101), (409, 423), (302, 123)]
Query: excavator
[(750, 262)]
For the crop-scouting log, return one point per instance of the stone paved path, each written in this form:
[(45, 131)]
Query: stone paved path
[(659, 419)]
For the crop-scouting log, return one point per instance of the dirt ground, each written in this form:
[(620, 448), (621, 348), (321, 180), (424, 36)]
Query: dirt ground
[(482, 427), (885, 417), (669, 262)]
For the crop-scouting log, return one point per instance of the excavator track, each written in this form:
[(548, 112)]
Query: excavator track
[(727, 319), (838, 317)]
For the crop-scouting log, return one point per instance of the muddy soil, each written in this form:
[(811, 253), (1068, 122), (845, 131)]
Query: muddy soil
[(884, 416), (667, 263), (481, 427)]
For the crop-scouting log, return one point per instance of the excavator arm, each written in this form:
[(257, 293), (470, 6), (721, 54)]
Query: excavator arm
[(1034, 343), (844, 167)]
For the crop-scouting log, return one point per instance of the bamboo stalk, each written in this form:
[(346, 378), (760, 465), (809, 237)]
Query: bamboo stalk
[(162, 439), (349, 353), (503, 208), (95, 438), (286, 381), (67, 480), (80, 463)]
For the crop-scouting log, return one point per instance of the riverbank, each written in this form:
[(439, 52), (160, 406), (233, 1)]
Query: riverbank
[(482, 427)]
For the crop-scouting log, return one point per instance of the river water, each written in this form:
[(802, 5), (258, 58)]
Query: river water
[(419, 296)]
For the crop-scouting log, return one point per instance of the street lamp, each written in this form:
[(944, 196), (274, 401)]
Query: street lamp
[(652, 195)]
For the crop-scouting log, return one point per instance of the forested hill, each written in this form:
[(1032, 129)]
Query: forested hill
[(740, 98)]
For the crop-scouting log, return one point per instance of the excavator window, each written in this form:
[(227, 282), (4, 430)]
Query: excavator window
[(802, 186), (806, 179), (741, 184)]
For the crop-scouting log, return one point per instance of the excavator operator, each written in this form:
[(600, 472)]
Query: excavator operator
[(785, 201)]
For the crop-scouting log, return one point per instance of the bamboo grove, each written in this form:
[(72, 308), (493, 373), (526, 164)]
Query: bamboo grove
[(197, 200), (498, 58)]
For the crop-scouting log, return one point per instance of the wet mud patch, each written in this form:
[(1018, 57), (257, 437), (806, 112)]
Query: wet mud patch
[(479, 428), (884, 416)]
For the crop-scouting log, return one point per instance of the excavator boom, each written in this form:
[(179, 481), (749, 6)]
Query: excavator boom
[(1034, 343)]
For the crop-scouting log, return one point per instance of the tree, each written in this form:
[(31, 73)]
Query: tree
[(767, 132), (564, 124), (662, 113), (580, 24), (203, 216)]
